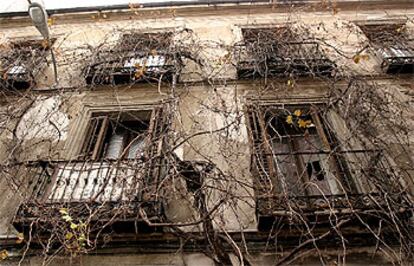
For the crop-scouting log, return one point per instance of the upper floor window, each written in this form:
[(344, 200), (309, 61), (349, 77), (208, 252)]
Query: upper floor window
[(292, 146), (21, 61), (120, 172), (137, 57), (394, 46), (279, 51), (120, 135), (116, 135), (305, 159)]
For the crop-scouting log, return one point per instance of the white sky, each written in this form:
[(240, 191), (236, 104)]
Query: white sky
[(21, 5)]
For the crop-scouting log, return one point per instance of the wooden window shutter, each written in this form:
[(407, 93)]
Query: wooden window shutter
[(95, 136), (262, 156), (156, 137)]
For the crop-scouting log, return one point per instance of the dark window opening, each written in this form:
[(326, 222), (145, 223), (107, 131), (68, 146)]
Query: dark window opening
[(315, 168), (117, 135)]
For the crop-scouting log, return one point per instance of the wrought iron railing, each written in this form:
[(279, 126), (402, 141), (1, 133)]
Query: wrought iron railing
[(108, 189), (301, 59), (314, 204), (21, 62), (131, 67), (397, 58), (376, 189)]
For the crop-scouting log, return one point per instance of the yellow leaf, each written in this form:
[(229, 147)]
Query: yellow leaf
[(67, 218), (73, 226), (304, 123), (140, 72), (289, 119), (20, 238), (297, 112), (356, 58), (4, 254), (68, 236), (50, 21), (289, 82), (63, 211), (82, 237), (45, 44)]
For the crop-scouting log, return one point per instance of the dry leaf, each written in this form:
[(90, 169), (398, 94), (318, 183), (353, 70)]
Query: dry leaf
[(50, 21), (304, 123), (4, 254), (356, 58), (20, 238), (68, 236)]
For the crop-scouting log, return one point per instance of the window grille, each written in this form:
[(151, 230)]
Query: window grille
[(137, 57), (280, 52), (21, 61), (299, 162), (393, 45)]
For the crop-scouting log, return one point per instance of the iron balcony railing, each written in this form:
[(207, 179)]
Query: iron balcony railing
[(301, 59), (21, 62), (132, 67), (397, 58), (376, 191), (109, 189)]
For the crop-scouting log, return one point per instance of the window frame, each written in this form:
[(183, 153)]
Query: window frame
[(104, 120), (259, 160)]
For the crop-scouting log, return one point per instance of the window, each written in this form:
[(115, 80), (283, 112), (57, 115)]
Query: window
[(117, 135), (293, 152), (137, 57), (279, 51), (306, 162), (20, 62), (393, 45)]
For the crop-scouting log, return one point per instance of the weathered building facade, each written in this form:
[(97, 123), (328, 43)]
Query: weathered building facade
[(230, 134)]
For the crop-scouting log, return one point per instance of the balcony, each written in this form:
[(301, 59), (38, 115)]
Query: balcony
[(303, 176), (293, 58), (20, 62), (297, 203), (106, 192), (135, 58), (131, 68), (397, 59), (394, 45)]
